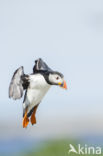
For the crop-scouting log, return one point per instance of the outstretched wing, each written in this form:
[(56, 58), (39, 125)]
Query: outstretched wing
[(40, 65), (17, 84)]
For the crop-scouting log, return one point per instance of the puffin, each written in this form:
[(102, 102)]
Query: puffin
[(34, 86)]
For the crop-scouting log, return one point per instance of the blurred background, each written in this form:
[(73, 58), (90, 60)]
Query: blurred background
[(68, 35)]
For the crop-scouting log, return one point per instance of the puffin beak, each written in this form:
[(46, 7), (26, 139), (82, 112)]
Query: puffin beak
[(63, 85)]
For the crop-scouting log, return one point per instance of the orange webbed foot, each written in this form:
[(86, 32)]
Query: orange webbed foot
[(33, 119), (25, 120)]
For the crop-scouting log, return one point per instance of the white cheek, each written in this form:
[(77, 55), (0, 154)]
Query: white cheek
[(53, 79)]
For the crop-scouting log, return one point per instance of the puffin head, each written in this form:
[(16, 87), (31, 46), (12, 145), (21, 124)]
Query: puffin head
[(56, 78), (52, 77)]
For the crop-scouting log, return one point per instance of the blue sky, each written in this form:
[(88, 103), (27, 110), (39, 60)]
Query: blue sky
[(68, 35)]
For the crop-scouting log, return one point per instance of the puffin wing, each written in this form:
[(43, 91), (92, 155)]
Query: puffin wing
[(16, 85), (40, 65)]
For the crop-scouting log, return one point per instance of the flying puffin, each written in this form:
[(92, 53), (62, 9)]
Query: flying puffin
[(35, 86)]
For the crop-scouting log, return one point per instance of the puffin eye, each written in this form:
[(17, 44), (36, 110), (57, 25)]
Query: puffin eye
[(57, 77)]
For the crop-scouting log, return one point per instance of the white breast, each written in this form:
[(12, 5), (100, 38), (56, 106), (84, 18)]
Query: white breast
[(37, 89)]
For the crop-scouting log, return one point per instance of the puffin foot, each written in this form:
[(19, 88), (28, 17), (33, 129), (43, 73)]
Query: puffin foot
[(25, 120), (33, 118)]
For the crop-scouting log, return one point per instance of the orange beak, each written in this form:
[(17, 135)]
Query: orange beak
[(63, 85)]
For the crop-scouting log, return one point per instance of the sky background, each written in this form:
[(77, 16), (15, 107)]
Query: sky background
[(68, 35)]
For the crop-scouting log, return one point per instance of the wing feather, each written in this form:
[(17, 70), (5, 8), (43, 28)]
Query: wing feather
[(16, 87), (40, 65)]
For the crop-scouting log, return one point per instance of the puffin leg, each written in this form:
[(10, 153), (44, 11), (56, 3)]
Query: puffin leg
[(25, 120), (33, 118)]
